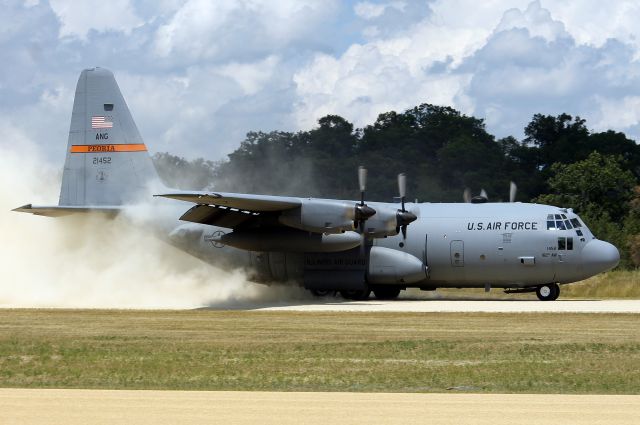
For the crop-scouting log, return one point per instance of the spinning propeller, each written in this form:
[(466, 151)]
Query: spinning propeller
[(483, 197), (362, 210), (403, 217)]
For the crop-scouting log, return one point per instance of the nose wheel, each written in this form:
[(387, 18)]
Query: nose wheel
[(549, 292)]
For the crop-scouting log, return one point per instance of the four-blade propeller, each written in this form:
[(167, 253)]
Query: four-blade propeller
[(362, 210), (403, 217)]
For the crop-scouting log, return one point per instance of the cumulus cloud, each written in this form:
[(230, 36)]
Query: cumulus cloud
[(368, 10), (503, 61), (78, 18), (219, 30), (198, 75)]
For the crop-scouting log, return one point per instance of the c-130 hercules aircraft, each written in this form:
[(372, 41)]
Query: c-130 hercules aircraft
[(326, 245)]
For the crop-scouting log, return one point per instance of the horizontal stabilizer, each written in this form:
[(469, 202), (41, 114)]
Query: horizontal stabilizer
[(61, 211), (240, 201)]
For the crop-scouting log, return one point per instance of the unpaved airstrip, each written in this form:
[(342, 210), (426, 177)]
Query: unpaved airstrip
[(70, 407)]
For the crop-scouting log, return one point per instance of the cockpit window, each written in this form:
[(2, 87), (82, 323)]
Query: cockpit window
[(562, 222)]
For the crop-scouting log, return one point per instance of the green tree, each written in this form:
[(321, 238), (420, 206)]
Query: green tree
[(599, 188), (597, 185)]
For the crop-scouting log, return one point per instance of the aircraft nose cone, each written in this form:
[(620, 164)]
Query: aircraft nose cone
[(599, 256)]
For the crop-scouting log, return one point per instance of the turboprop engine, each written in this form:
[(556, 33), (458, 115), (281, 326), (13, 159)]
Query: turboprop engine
[(321, 216)]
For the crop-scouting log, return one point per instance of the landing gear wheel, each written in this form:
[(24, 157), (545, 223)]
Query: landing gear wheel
[(357, 295), (321, 292), (548, 292), (386, 293)]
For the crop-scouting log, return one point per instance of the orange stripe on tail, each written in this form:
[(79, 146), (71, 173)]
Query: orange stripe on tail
[(138, 147)]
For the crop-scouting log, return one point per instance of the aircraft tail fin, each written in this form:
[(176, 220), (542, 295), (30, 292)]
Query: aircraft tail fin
[(107, 162)]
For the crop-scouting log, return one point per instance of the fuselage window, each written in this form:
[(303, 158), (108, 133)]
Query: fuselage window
[(562, 244), (569, 244), (578, 232), (575, 222)]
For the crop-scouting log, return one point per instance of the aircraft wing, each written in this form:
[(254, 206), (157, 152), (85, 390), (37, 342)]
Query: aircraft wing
[(61, 211), (231, 210), (239, 201)]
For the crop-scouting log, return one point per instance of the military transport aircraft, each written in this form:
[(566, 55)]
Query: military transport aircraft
[(326, 245)]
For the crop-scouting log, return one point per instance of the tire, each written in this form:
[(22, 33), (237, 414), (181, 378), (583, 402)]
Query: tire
[(357, 295), (320, 292), (386, 293), (548, 292)]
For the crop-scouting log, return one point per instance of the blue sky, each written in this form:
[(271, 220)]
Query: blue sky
[(198, 75)]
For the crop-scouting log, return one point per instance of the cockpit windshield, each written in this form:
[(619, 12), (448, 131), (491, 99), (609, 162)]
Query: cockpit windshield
[(562, 222)]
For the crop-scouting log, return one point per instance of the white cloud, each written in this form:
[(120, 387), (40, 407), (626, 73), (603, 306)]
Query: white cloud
[(250, 77), (78, 18), (535, 19), (198, 75), (617, 113), (203, 29), (503, 61), (368, 10)]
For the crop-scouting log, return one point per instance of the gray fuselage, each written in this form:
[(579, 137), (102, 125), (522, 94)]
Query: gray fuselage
[(505, 245)]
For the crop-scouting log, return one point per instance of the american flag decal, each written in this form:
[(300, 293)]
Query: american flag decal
[(101, 122)]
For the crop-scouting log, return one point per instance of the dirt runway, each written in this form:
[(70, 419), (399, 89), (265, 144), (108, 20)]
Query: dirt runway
[(70, 407)]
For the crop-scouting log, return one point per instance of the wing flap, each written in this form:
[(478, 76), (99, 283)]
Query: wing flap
[(217, 216), (240, 201)]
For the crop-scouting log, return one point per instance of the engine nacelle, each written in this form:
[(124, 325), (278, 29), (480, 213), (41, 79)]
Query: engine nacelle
[(320, 216), (389, 266), (285, 240)]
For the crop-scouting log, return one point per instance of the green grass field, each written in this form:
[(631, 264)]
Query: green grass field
[(394, 352)]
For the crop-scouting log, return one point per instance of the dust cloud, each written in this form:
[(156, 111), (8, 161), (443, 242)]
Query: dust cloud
[(86, 261)]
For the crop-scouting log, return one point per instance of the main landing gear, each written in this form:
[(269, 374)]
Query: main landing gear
[(380, 292), (548, 292)]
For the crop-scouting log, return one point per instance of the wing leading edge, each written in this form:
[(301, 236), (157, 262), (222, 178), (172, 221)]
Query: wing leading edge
[(239, 201)]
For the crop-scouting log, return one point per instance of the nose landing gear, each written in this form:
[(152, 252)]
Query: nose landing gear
[(548, 292)]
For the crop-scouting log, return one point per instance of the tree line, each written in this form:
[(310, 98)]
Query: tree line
[(442, 151)]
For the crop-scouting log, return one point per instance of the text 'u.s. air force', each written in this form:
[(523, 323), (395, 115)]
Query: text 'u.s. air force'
[(502, 225)]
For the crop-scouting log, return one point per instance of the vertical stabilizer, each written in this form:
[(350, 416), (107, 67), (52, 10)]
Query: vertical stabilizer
[(107, 161)]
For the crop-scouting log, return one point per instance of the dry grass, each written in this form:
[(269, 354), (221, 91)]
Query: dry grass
[(394, 352), (615, 284)]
